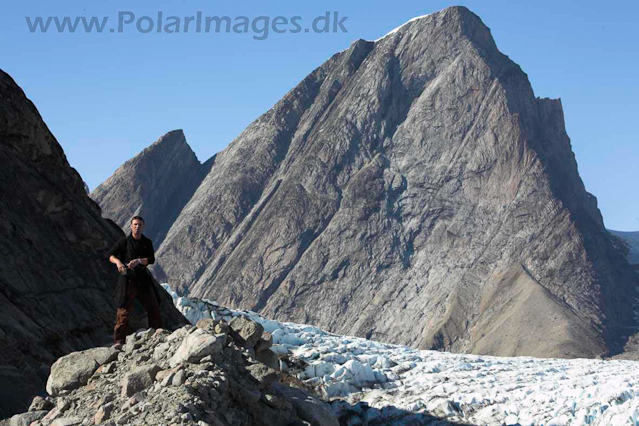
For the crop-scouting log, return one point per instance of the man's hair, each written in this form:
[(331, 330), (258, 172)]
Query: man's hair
[(140, 218)]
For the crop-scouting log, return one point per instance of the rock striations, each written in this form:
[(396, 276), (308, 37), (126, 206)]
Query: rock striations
[(56, 286), (412, 190), (156, 185)]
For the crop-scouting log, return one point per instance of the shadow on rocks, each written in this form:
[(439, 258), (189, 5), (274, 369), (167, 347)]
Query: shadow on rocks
[(362, 414)]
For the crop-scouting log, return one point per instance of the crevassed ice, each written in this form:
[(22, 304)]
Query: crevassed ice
[(459, 387)]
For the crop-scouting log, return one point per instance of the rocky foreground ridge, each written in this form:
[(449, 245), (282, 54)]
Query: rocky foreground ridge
[(56, 285), (412, 190), (217, 374)]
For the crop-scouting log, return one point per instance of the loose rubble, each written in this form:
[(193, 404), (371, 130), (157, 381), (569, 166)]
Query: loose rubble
[(204, 375)]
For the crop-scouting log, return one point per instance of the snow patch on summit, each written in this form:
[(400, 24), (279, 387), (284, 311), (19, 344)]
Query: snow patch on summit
[(404, 24)]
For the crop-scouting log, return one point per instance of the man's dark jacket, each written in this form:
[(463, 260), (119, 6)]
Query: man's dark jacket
[(127, 249)]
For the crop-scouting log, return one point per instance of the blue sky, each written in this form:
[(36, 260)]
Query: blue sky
[(106, 96)]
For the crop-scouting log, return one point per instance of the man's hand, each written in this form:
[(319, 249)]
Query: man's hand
[(121, 267), (134, 263)]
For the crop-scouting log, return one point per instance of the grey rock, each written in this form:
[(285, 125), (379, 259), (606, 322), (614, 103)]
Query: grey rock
[(246, 332), (262, 374), (70, 372), (63, 404), (315, 412), (269, 358), (411, 190), (196, 346), (179, 378), (74, 370), (103, 413), (40, 404), (67, 421), (26, 419), (265, 342), (139, 379), (242, 394), (102, 355)]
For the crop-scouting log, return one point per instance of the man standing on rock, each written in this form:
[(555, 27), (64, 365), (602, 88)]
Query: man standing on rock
[(131, 255)]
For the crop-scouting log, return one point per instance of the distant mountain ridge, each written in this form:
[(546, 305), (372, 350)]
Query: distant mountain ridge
[(631, 239), (412, 190), (156, 184)]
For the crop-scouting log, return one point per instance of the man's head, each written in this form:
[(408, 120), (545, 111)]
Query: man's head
[(137, 226)]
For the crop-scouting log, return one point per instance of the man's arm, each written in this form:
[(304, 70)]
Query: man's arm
[(118, 263), (118, 251)]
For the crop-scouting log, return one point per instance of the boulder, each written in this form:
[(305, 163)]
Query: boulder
[(308, 409), (74, 370), (245, 332), (25, 419), (70, 372), (196, 346), (269, 358), (40, 404), (139, 379), (265, 342), (206, 323), (262, 374), (103, 413)]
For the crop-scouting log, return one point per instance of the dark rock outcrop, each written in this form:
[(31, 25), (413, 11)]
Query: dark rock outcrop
[(415, 191), (56, 286), (156, 185)]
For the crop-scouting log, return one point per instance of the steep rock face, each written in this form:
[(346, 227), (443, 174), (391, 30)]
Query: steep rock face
[(415, 191), (55, 283), (156, 184)]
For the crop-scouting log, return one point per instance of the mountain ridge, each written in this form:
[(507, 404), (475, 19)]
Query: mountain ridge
[(392, 188)]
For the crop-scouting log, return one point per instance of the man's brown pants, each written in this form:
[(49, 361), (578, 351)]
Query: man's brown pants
[(149, 303)]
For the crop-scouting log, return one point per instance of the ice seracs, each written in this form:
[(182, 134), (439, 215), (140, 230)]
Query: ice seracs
[(470, 388)]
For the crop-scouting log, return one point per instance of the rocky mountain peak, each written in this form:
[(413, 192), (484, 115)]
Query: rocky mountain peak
[(412, 190), (155, 184)]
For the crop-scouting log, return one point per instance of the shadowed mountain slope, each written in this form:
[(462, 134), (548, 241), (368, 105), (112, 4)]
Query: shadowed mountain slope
[(56, 286)]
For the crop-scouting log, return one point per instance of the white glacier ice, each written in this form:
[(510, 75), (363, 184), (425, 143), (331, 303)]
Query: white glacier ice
[(458, 387)]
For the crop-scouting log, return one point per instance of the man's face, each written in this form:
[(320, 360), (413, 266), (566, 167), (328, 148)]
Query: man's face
[(137, 226)]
